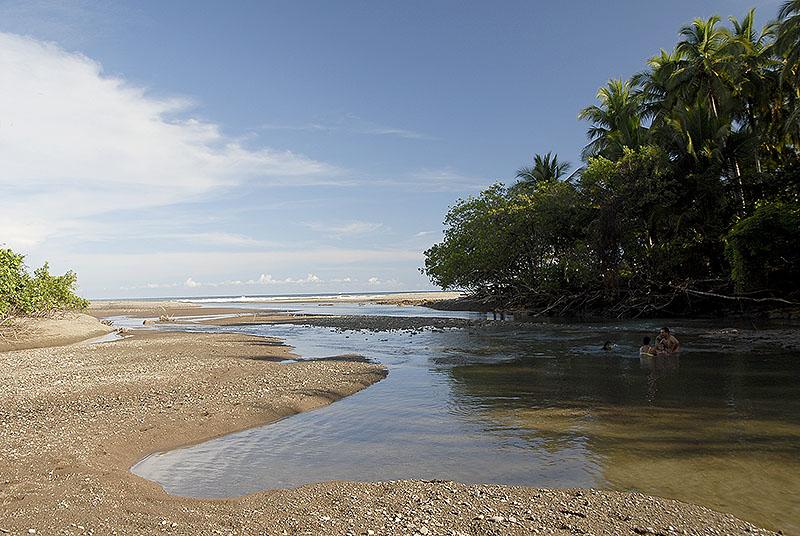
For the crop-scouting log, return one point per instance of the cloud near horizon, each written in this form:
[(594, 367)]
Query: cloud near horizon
[(326, 267), (75, 143), (265, 280)]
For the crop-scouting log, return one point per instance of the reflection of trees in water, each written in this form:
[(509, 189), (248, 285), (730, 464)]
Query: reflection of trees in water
[(737, 384), (711, 427), (548, 382)]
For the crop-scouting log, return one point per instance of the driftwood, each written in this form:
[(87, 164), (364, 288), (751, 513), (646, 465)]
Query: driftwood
[(641, 299), (742, 298)]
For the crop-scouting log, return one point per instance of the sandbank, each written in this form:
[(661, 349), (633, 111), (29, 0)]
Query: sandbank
[(65, 328), (73, 419)]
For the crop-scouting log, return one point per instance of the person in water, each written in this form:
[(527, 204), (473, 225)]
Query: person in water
[(646, 349), (608, 345), (667, 343)]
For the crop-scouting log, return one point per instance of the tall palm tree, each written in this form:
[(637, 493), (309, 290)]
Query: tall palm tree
[(788, 40), (545, 169), (755, 85), (704, 67), (616, 122), (655, 87), (787, 45)]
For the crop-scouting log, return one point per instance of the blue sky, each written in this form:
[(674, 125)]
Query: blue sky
[(189, 148)]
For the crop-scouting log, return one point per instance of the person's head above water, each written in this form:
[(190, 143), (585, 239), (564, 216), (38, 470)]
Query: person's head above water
[(608, 345), (646, 341)]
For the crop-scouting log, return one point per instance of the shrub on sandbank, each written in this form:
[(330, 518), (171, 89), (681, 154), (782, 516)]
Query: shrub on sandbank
[(37, 294)]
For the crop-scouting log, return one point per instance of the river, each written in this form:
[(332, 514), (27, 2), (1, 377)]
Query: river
[(533, 404)]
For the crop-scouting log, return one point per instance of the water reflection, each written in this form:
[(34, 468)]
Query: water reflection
[(658, 366), (532, 405)]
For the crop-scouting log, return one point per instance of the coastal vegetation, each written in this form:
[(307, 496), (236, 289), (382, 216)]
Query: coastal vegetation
[(37, 294), (687, 200)]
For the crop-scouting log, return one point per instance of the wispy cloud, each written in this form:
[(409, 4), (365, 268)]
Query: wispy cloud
[(386, 131), (74, 22), (219, 239), (342, 229), (445, 179), (448, 179), (75, 143), (349, 124)]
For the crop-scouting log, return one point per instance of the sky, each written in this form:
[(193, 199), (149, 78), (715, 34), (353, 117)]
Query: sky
[(197, 148)]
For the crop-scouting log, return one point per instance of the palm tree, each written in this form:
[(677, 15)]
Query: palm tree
[(787, 45), (788, 40), (704, 66), (697, 134), (616, 122), (755, 84), (655, 87), (545, 169)]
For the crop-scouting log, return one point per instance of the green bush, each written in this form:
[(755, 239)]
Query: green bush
[(23, 294), (764, 250)]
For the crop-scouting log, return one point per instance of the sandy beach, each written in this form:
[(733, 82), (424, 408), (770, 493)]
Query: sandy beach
[(74, 418)]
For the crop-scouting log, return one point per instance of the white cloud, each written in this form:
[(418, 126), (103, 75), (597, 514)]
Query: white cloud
[(349, 228), (264, 280), (375, 282), (349, 124), (444, 179), (218, 239), (447, 180), (75, 143), (267, 279), (127, 274)]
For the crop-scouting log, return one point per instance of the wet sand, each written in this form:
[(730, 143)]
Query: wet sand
[(74, 418)]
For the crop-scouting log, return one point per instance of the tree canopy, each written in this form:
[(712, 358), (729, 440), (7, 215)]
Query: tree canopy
[(689, 190)]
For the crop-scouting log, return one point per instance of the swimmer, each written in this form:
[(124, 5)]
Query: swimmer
[(667, 343), (646, 349)]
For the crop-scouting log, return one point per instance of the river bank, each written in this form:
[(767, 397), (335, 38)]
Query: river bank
[(74, 418)]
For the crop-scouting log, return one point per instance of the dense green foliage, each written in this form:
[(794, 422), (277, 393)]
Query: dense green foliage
[(763, 249), (41, 293), (690, 189)]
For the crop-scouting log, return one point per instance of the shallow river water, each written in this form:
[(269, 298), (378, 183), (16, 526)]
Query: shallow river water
[(530, 404)]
